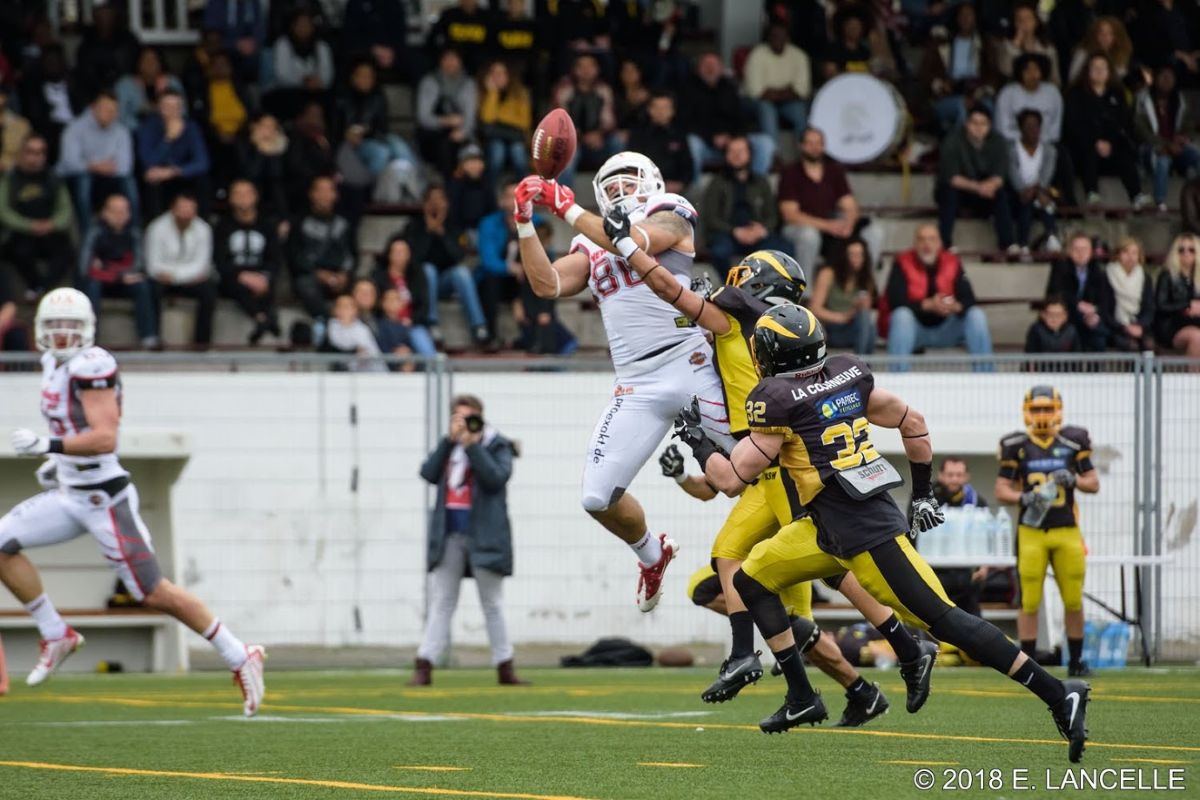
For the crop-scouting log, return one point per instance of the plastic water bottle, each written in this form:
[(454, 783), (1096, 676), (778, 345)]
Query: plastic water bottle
[(982, 535), (1104, 651), (1036, 514), (1091, 642), (1003, 543)]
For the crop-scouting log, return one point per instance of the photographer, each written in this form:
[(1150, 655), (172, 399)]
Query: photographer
[(469, 534)]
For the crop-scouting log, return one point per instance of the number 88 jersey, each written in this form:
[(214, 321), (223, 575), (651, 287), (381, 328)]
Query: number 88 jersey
[(62, 388)]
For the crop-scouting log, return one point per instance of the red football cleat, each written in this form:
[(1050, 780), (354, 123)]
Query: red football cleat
[(650, 580)]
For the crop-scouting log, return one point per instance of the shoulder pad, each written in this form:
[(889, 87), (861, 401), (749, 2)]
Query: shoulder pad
[(1074, 435), (93, 363), (582, 244), (1013, 439), (671, 202)]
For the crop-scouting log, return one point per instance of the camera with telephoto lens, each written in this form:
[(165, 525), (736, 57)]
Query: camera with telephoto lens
[(474, 422)]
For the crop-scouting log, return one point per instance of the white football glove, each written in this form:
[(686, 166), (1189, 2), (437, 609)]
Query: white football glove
[(47, 476), (28, 443)]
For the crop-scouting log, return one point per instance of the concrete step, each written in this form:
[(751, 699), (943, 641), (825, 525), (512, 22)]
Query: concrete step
[(1154, 232)]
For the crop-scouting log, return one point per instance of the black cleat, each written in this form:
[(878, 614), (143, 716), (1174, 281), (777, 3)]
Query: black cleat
[(1070, 716), (736, 674), (862, 709), (795, 712), (1080, 670), (917, 675)]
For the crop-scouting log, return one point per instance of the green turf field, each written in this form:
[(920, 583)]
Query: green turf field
[(574, 734)]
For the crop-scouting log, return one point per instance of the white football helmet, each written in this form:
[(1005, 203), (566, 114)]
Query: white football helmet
[(65, 314), (625, 181)]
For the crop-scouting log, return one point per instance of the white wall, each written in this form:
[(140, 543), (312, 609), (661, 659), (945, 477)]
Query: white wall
[(270, 534)]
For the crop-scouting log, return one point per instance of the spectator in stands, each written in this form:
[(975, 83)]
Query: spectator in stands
[(932, 303), (1098, 130), (320, 253), (261, 159), (447, 102), (51, 97), (108, 50), (660, 139), (568, 28), (1163, 36), (1031, 166), (222, 109), (303, 66), (14, 130), (1053, 331), (778, 80), (138, 92), (437, 245), (843, 295), (1164, 124), (1028, 37), (13, 336), (466, 28), (248, 258), (97, 157), (363, 117), (972, 173), (197, 70), (394, 336), (1106, 36), (820, 214), (953, 489), (110, 263), (1030, 90), (959, 73), (378, 29), (923, 16), (739, 210), (514, 38), (347, 333), (394, 274), (390, 335), (280, 14), (1080, 281), (712, 115), (631, 96), (310, 154), (849, 50), (471, 195), (35, 220), (589, 101), (505, 120), (243, 28), (179, 261), (1127, 309), (1176, 302), (172, 156)]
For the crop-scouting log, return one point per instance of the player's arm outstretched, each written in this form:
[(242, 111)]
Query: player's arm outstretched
[(566, 276), (660, 231), (661, 282), (728, 473), (887, 410), (671, 462)]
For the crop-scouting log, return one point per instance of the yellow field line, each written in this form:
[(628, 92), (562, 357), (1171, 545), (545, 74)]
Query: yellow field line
[(222, 776), (439, 769), (666, 764), (924, 763), (1120, 698), (1149, 761)]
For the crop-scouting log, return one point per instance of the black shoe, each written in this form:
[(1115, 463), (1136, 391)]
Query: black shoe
[(917, 675), (862, 708), (1080, 670), (260, 330), (1070, 716), (795, 712), (735, 675)]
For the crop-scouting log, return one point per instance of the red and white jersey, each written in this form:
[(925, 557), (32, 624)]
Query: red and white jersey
[(636, 321), (62, 387)]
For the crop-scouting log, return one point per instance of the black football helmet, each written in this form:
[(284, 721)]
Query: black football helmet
[(769, 275), (788, 340)]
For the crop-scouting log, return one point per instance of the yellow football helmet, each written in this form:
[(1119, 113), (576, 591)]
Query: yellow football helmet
[(1043, 411)]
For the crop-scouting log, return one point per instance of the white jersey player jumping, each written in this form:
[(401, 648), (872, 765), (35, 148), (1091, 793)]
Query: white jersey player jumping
[(661, 357), (88, 491)]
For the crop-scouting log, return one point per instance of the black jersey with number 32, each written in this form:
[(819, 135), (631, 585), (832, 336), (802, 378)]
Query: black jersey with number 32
[(1030, 462), (842, 479)]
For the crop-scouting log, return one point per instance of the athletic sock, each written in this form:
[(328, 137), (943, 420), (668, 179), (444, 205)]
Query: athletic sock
[(231, 648), (1075, 648), (860, 686), (1029, 647), (743, 634), (50, 624), (1034, 677), (900, 639), (648, 549), (793, 672)]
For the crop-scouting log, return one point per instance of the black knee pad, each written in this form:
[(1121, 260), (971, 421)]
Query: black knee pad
[(10, 548), (707, 591), (807, 633), (764, 606), (834, 581), (977, 638)]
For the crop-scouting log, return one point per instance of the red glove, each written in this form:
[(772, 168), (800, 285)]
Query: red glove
[(527, 192), (558, 198)]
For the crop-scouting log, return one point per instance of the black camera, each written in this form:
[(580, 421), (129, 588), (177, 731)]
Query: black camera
[(474, 422)]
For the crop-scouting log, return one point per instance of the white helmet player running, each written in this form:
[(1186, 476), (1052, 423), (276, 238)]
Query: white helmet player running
[(65, 323), (626, 181)]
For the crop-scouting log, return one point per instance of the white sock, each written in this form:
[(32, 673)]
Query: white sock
[(229, 646), (50, 624), (648, 549)]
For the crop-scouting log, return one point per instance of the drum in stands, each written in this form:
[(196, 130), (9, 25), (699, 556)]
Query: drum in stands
[(862, 117)]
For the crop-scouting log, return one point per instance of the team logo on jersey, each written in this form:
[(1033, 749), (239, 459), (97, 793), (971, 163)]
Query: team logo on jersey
[(621, 391), (96, 499), (846, 404), (51, 399), (684, 322), (697, 358)]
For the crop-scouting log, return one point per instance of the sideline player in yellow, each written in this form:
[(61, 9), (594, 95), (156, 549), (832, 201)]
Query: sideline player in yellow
[(763, 279), (814, 416), (1041, 468)]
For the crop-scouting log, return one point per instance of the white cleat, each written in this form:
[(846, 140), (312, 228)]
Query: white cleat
[(54, 653), (249, 678)]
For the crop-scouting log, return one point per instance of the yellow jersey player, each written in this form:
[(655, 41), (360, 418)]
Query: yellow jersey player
[(1041, 468), (814, 415)]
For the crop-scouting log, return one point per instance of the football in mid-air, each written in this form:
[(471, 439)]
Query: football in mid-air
[(553, 144)]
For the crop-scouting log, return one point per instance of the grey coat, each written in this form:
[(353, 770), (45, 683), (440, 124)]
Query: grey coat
[(489, 538)]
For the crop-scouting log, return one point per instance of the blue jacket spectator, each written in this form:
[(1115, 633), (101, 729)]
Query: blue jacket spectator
[(172, 156), (243, 27), (138, 92)]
